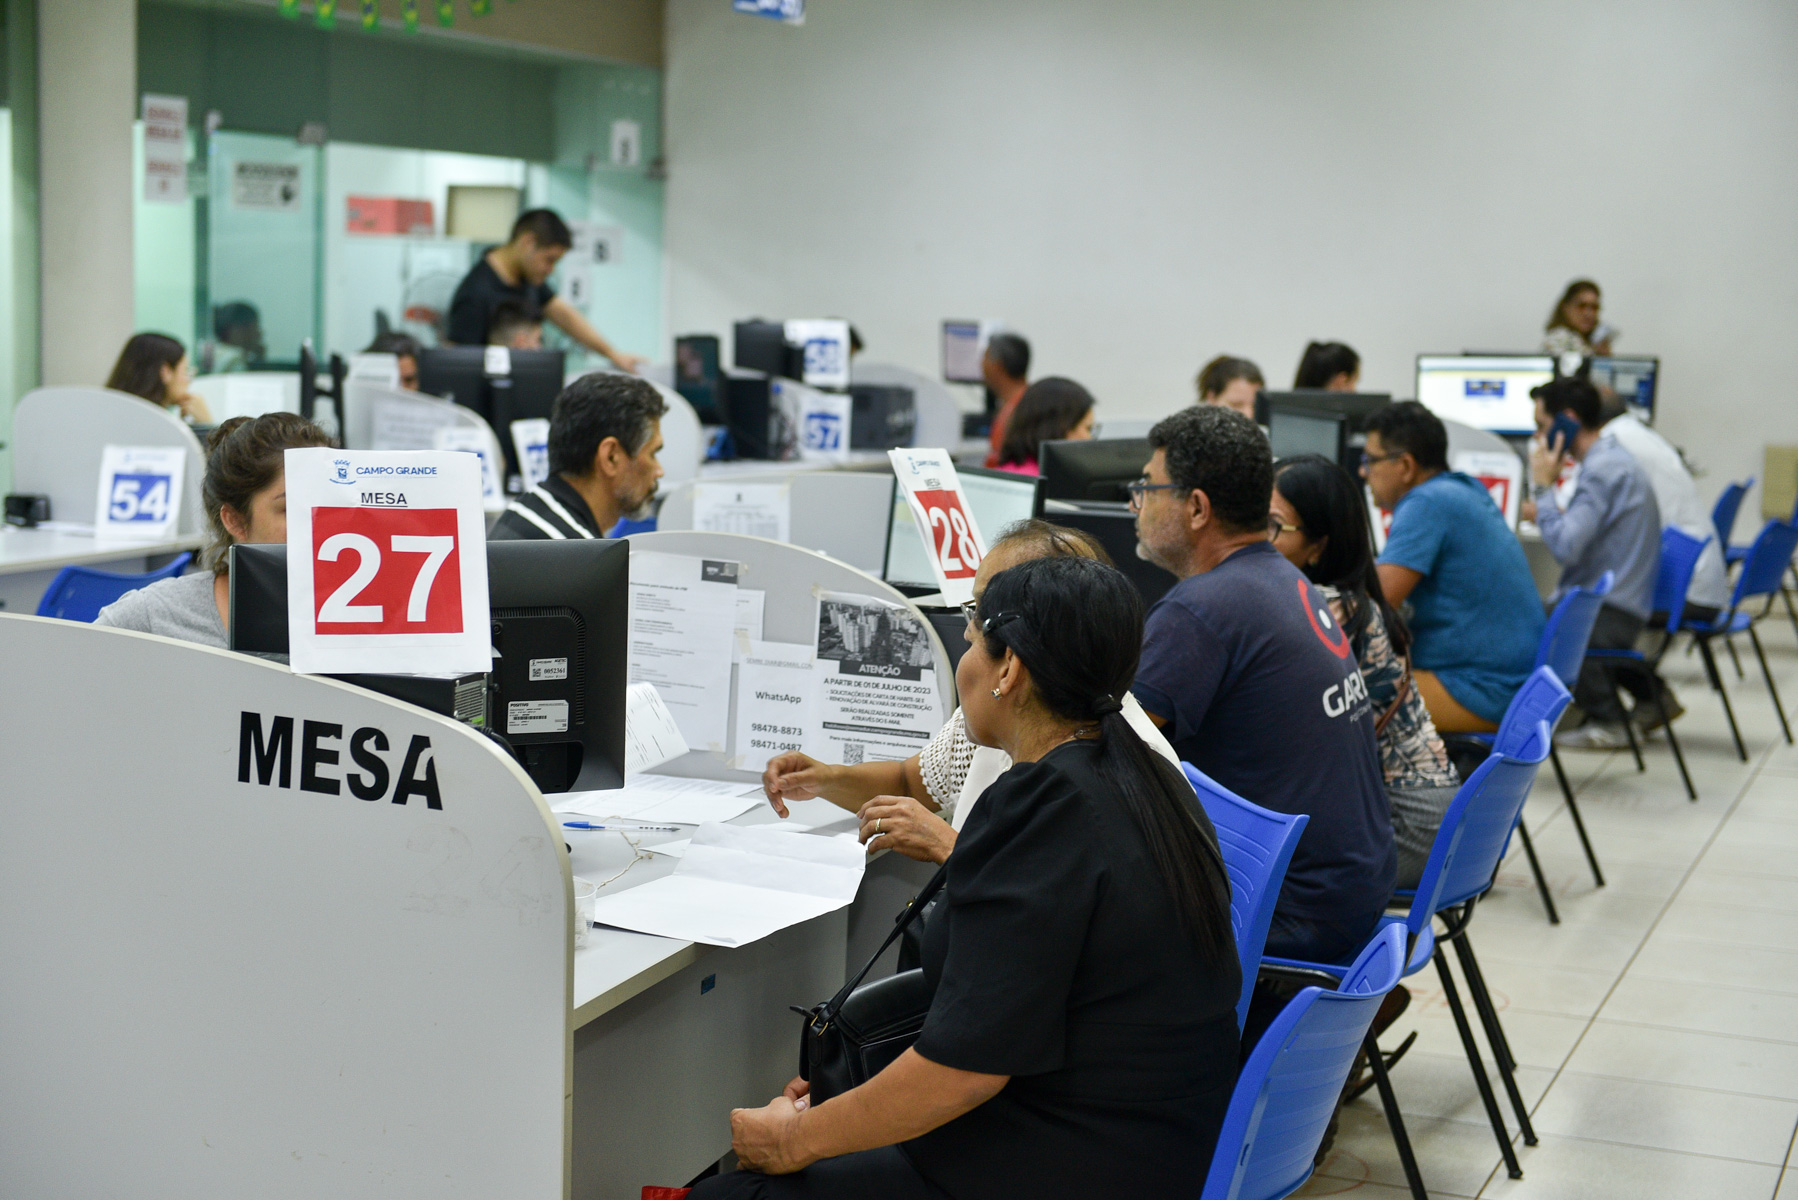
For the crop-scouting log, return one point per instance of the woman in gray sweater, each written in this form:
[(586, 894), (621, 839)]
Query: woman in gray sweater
[(245, 497)]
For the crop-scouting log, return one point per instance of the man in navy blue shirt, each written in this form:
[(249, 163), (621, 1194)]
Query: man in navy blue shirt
[(1254, 683)]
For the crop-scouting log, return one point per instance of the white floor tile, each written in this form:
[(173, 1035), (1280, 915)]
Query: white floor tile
[(1704, 1008), (1563, 1168), (1788, 1185), (1654, 1055), (1694, 960), (1712, 886), (1517, 984), (1662, 1117), (1536, 1039), (1730, 923), (1584, 945), (1442, 1086), (1455, 1159)]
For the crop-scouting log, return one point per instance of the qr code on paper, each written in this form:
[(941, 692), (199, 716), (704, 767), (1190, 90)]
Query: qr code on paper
[(854, 753)]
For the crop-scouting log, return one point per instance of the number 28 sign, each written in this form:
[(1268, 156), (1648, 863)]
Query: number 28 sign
[(952, 540), (386, 561)]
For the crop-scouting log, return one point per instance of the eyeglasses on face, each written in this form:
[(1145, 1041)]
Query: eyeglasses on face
[(1143, 487), (1275, 527), (1368, 460)]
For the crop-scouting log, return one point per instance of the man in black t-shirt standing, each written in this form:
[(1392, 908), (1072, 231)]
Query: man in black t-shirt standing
[(518, 273), (1254, 683)]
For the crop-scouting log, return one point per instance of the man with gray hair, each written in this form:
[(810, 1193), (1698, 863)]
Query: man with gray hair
[(604, 434)]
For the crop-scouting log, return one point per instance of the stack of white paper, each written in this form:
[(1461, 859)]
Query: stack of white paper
[(651, 736), (663, 800), (736, 884)]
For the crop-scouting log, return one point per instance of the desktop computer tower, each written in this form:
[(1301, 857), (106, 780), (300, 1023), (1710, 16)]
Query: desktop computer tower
[(882, 416), (759, 422)]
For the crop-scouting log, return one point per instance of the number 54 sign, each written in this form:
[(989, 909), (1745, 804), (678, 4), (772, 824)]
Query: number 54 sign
[(952, 541), (386, 561), (140, 492)]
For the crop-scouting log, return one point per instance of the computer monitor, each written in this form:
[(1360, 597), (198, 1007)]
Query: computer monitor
[(882, 416), (560, 621), (995, 499), (1293, 430), (1114, 527), (1632, 379), (1099, 469), (1489, 391), (529, 387), (964, 347), (763, 346), (1291, 410), (699, 376)]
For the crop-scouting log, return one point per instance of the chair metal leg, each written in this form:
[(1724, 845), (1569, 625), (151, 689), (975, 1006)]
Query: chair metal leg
[(1678, 755), (1479, 1068), (1579, 826), (1529, 850), (1635, 743), (1730, 645), (1394, 1120), (1772, 690), (1495, 1034), (1786, 594), (1710, 668)]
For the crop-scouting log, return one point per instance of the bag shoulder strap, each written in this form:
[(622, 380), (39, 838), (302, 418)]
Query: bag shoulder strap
[(916, 906)]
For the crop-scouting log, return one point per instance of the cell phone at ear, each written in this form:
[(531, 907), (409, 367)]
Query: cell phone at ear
[(1564, 429)]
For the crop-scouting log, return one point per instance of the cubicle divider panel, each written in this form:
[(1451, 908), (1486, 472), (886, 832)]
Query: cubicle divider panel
[(939, 416), (840, 513), (60, 433), (268, 935)]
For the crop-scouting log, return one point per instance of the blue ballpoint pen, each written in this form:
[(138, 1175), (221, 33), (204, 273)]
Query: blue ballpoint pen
[(622, 828)]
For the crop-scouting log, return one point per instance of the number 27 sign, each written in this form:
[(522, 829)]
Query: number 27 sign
[(952, 540), (386, 562)]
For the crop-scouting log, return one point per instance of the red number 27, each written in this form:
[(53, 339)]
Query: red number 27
[(384, 570)]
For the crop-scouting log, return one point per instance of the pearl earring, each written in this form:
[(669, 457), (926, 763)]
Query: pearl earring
[(995, 693)]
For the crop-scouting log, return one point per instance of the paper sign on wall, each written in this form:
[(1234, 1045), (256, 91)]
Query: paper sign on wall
[(386, 561), (627, 143), (1500, 473), (140, 492), (165, 149), (757, 509), (952, 541), (474, 441), (530, 440), (874, 676), (682, 627), (383, 369), (775, 687), (265, 186)]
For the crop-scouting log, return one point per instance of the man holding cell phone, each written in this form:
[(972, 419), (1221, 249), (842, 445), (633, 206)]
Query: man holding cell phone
[(1609, 523)]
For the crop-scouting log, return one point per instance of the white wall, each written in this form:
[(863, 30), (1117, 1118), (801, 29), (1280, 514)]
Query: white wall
[(1141, 184)]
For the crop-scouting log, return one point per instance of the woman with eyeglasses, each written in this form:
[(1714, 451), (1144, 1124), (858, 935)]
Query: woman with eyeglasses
[(918, 806), (1318, 521), (1574, 326), (1081, 1038)]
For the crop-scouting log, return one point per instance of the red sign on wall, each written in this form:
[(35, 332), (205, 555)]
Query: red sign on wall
[(390, 216)]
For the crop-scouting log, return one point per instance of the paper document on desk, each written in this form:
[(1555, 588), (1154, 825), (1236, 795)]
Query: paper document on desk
[(737, 884), (682, 630), (663, 800), (651, 737)]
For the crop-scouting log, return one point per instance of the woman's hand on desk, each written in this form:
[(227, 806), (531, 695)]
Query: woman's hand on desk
[(901, 823), (794, 777)]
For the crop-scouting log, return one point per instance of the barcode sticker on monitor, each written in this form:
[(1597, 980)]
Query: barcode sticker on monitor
[(548, 668), (537, 716)]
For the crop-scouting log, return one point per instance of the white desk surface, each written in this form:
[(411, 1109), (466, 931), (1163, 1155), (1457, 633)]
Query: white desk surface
[(616, 964), (42, 550)]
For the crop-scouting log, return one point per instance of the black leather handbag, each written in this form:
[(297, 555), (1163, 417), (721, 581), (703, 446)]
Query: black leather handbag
[(851, 1037)]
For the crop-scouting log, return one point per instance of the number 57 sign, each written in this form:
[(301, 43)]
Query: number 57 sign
[(952, 541), (386, 561)]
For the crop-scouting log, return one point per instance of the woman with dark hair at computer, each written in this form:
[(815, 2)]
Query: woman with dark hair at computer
[(1050, 410), (1328, 367), (154, 366), (1318, 521), (1081, 1038), (1233, 383), (244, 494), (1573, 327)]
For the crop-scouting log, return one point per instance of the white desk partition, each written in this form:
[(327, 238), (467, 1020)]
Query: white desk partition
[(841, 513), (939, 416), (221, 987), (59, 434), (411, 421), (248, 393), (683, 439)]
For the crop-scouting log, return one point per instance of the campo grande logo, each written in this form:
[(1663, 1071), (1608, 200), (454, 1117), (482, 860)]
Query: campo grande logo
[(342, 473)]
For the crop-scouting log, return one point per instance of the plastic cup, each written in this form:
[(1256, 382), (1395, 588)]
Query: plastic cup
[(586, 895)]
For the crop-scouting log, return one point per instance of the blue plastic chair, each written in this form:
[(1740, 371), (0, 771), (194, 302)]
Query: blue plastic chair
[(626, 527), (1287, 1091), (1563, 650), (1723, 519), (79, 593), (1257, 845), (1679, 559), (1463, 862), (1762, 577)]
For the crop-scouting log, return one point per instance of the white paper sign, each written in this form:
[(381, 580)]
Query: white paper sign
[(627, 143), (952, 540), (757, 509), (399, 423), (140, 493), (265, 186), (497, 361), (383, 369), (826, 345), (1501, 474), (474, 441), (386, 562), (824, 425), (530, 440), (875, 680), (682, 626), (775, 690), (165, 149), (651, 736), (752, 604)]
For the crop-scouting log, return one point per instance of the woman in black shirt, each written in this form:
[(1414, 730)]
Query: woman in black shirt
[(1082, 1037)]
